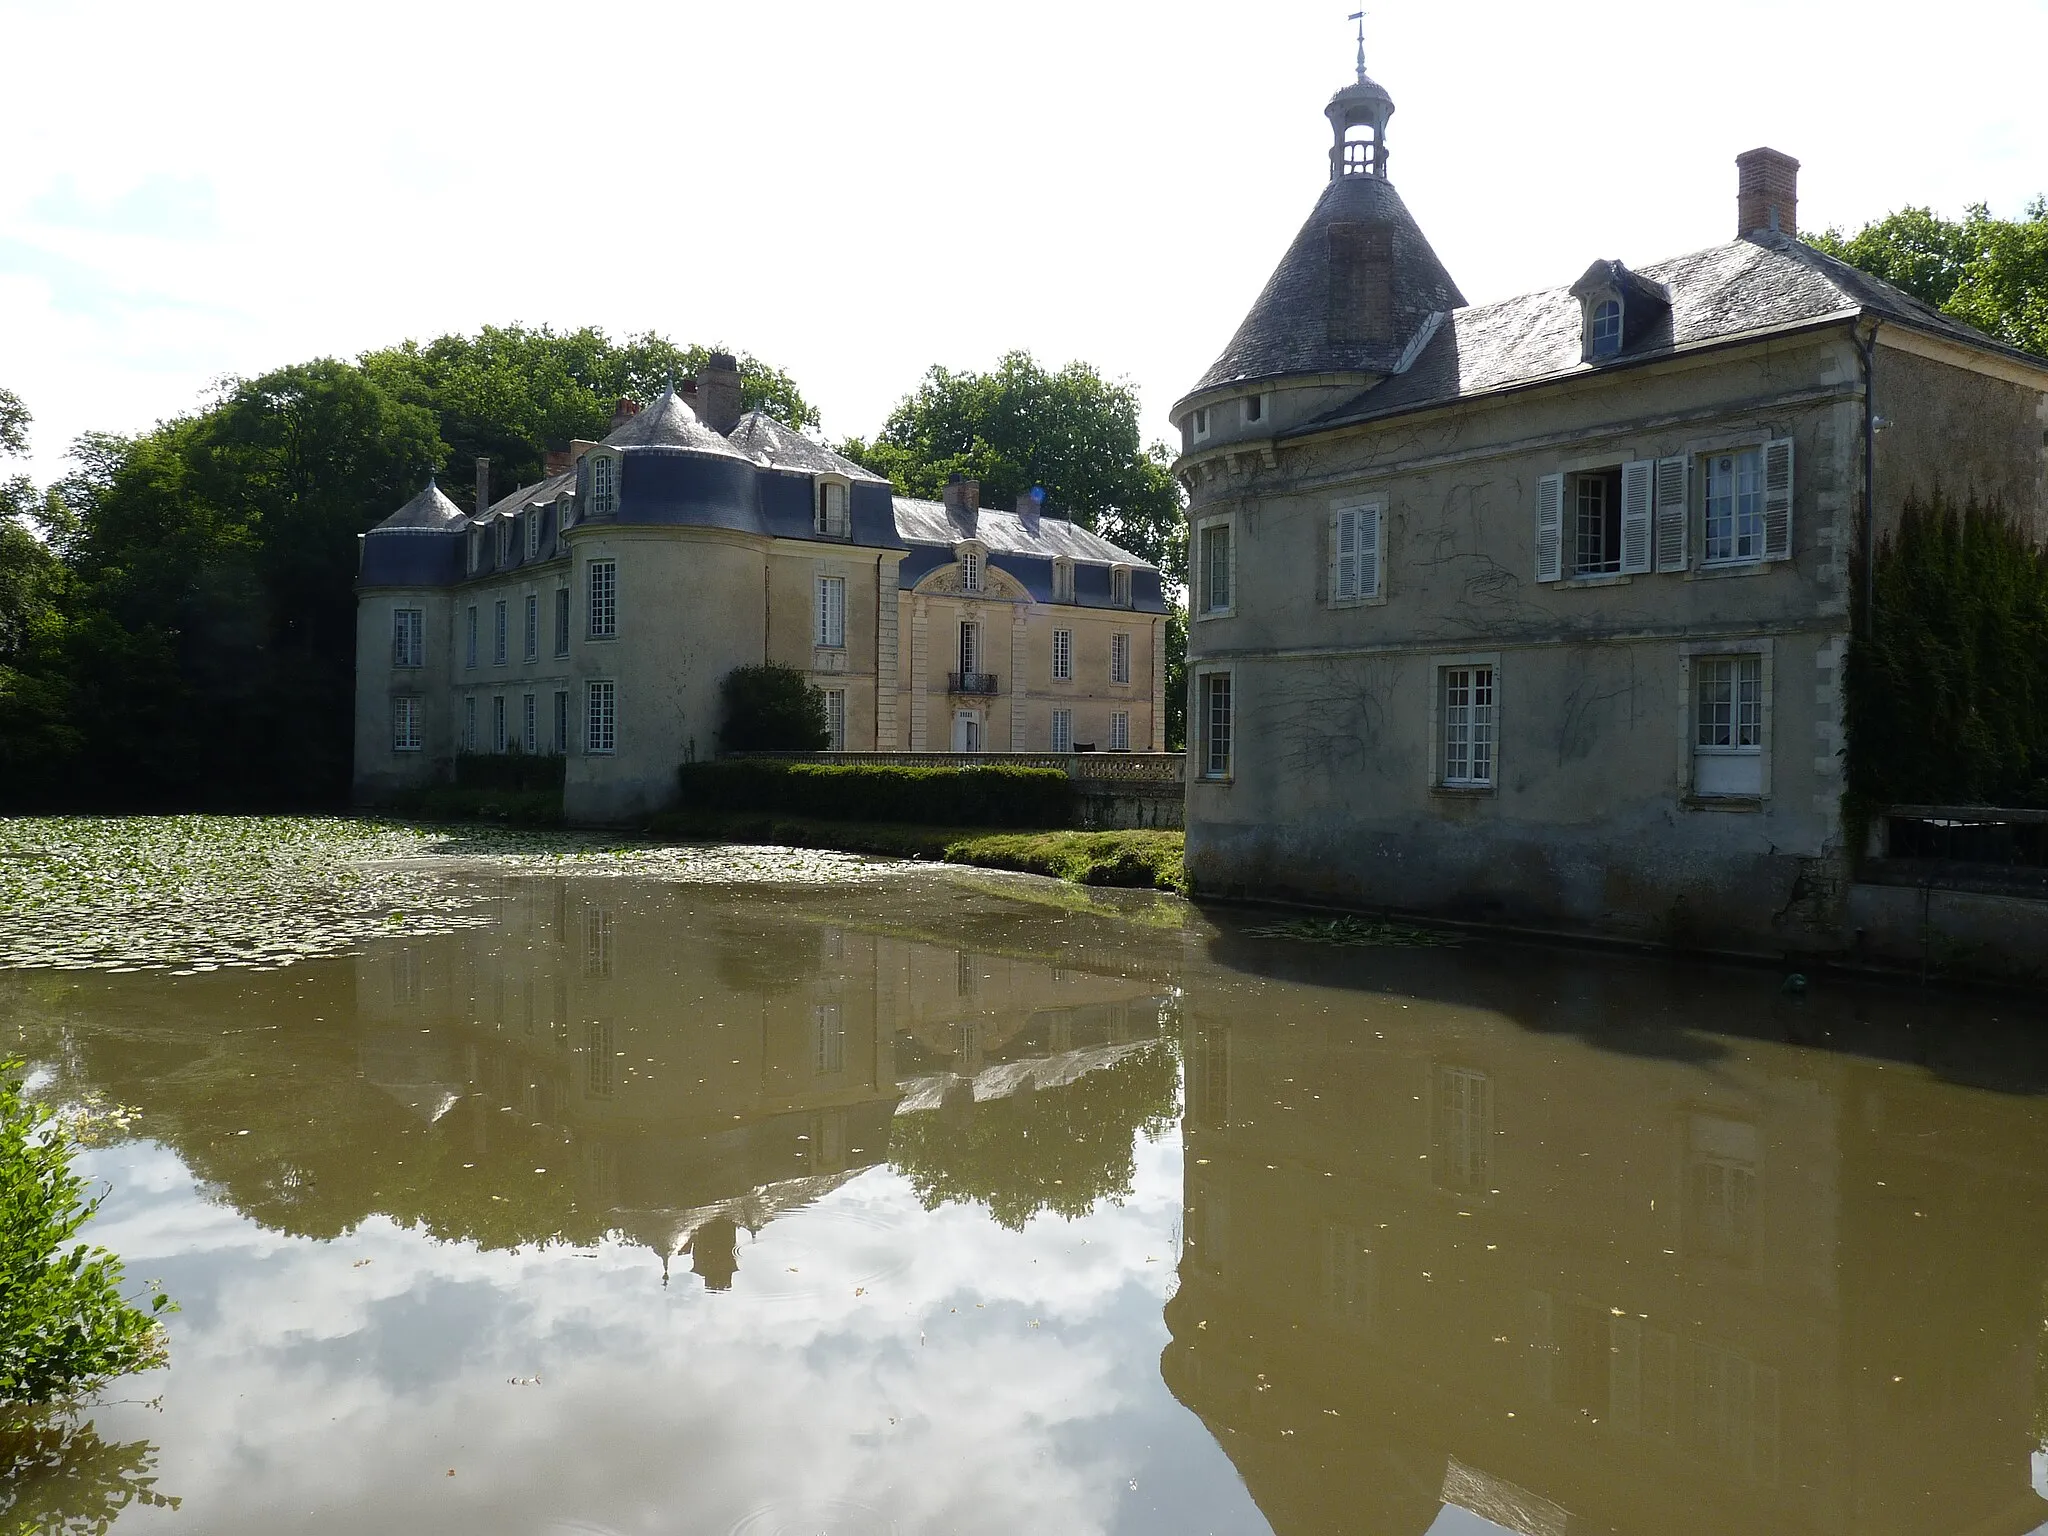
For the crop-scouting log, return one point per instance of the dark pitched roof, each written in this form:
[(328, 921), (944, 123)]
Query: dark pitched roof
[(670, 423), (930, 523), (1749, 286), (1289, 329), (780, 446), (428, 512), (530, 495)]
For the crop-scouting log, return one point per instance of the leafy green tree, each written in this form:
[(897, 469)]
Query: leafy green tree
[(1987, 272), (1072, 433), (1177, 678), (65, 1328), (36, 737), (772, 708)]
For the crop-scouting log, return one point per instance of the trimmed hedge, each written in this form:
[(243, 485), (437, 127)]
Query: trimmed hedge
[(525, 771), (996, 796)]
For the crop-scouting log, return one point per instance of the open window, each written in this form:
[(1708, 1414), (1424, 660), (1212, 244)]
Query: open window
[(829, 518), (1596, 521)]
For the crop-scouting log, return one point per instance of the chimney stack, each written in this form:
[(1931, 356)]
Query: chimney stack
[(1766, 194), (1029, 504), (623, 412), (962, 495), (718, 390), (483, 485), (558, 461)]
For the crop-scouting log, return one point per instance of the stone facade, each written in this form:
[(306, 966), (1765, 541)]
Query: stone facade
[(595, 615), (1544, 626)]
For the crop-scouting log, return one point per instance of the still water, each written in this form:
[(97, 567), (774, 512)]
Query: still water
[(941, 1203)]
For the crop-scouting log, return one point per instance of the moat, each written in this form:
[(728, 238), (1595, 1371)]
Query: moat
[(897, 1199)]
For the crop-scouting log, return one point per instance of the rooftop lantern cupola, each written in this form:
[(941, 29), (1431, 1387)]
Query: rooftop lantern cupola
[(1358, 119)]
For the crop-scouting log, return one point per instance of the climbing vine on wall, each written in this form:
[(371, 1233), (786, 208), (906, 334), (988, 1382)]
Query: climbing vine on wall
[(1948, 697)]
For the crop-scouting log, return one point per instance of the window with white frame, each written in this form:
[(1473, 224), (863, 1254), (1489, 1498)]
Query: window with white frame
[(498, 733), (604, 599), (1356, 551), (1062, 655), (408, 637), (1120, 657), (831, 612), (498, 635), (469, 723), (405, 725), (1063, 581), (1735, 506), (835, 719), (560, 738), (604, 489), (1466, 695), (831, 519), (1120, 730), (601, 719), (534, 518), (532, 635), (529, 724), (1216, 719), (561, 621), (1063, 730), (1214, 573), (1604, 331), (469, 639), (508, 539), (970, 649), (970, 570), (1120, 586), (828, 1039), (1728, 725)]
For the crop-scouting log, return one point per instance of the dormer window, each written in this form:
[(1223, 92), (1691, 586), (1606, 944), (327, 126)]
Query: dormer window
[(829, 518), (476, 550), (565, 514), (506, 546), (1063, 581), (1254, 410), (1120, 586), (534, 518), (1603, 337), (604, 487), (970, 570)]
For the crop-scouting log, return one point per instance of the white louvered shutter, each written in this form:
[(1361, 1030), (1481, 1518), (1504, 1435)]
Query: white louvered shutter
[(1778, 499), (1370, 523), (1636, 479), (1674, 511), (1550, 528), (1344, 556)]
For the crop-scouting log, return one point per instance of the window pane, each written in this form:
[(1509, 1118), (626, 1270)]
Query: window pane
[(1217, 718), (1216, 567), (602, 724), (1468, 733), (604, 599)]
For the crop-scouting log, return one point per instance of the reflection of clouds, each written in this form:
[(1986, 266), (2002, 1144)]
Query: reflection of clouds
[(313, 1390)]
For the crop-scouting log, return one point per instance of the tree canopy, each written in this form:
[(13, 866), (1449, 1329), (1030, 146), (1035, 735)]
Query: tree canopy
[(1989, 273), (1071, 433)]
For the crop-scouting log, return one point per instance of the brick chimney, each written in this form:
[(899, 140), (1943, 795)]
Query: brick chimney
[(962, 495), (1766, 193), (483, 485), (718, 391), (622, 413), (557, 461)]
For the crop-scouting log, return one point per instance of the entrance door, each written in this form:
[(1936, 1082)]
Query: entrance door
[(966, 731)]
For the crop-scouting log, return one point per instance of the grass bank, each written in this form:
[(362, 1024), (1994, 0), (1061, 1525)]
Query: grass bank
[(1147, 860)]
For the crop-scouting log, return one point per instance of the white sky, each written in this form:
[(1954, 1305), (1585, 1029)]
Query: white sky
[(856, 191)]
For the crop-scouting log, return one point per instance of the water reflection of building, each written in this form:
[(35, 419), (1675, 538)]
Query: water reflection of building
[(1433, 1256), (708, 1068)]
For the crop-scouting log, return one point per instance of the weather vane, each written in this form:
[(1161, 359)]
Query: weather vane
[(1359, 17)]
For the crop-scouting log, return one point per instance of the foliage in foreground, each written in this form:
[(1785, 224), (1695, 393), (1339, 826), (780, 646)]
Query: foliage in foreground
[(65, 1328), (1948, 698), (59, 1478), (770, 707), (1057, 1149), (1986, 272)]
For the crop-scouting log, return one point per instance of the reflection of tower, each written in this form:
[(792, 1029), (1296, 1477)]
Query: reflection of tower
[(714, 1253)]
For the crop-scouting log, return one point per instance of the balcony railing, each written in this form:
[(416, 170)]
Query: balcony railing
[(973, 682)]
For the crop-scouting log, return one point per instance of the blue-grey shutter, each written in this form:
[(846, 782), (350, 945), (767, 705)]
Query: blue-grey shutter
[(1550, 528), (1778, 499)]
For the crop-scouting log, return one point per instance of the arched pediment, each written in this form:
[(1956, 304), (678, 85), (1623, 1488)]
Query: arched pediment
[(997, 585)]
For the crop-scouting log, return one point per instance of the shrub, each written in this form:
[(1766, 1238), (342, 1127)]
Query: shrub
[(65, 1328), (772, 708), (1948, 698), (996, 796), (520, 771)]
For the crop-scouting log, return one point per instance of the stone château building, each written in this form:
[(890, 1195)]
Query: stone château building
[(594, 615), (1535, 612)]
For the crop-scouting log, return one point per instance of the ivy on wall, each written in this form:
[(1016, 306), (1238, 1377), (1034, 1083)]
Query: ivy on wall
[(1948, 697)]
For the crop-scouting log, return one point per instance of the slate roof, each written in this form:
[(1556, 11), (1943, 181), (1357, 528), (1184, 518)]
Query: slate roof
[(428, 512), (670, 423), (1288, 329), (1751, 286), (780, 446), (930, 523), (544, 491)]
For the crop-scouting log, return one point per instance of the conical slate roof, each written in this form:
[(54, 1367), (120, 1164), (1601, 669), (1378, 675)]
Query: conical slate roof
[(670, 423), (429, 510), (781, 446), (1291, 329)]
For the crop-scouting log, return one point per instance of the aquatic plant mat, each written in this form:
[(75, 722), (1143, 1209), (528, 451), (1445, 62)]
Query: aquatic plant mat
[(201, 893), (1360, 931)]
